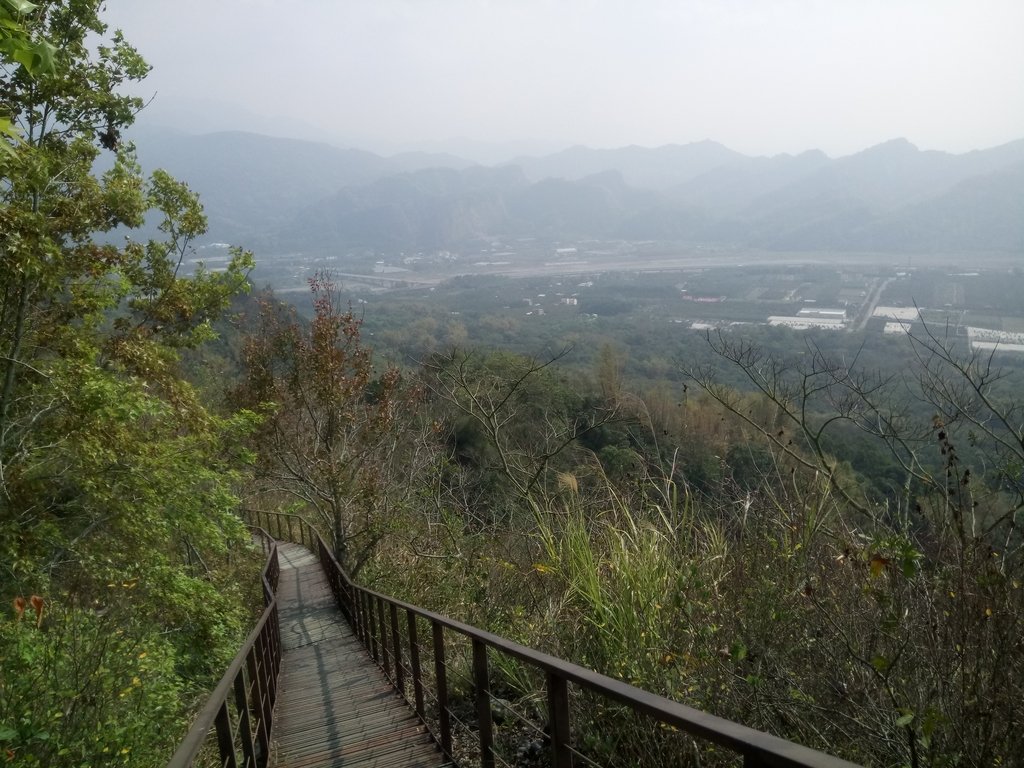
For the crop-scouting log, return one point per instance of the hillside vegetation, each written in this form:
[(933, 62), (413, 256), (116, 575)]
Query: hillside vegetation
[(125, 576), (716, 549)]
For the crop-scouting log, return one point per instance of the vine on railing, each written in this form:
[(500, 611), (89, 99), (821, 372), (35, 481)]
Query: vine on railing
[(460, 659), (240, 711)]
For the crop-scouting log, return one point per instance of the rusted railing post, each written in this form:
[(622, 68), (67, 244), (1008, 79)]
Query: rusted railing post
[(396, 644), (338, 588), (267, 646), (414, 662), (348, 592), (275, 655), (357, 617), (260, 701), (225, 739), (370, 604), (383, 627), (360, 600), (441, 679), (558, 717), (244, 726), (483, 703)]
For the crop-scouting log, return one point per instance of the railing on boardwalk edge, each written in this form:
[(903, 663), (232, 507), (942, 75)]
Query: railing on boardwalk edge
[(240, 711), (377, 620)]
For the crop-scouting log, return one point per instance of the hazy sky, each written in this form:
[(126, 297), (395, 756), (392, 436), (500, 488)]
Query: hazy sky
[(761, 76)]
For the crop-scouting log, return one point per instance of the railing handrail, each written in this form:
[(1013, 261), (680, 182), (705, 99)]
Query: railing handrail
[(205, 721), (763, 748), (251, 511), (727, 733)]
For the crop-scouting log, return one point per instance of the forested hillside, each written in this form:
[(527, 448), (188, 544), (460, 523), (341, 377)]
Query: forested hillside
[(710, 542)]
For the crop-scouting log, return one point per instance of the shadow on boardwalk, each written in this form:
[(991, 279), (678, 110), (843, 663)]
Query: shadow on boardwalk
[(334, 707)]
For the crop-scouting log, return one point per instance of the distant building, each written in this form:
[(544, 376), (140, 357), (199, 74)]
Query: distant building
[(988, 338), (995, 346), (897, 313), (805, 323), (823, 313)]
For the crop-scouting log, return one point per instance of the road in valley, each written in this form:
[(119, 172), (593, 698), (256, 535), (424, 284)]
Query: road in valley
[(871, 303)]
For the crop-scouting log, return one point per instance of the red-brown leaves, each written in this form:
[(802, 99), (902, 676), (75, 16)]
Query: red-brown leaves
[(37, 604)]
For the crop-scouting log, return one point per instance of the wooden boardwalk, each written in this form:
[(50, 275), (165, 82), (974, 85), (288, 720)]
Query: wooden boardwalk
[(335, 707)]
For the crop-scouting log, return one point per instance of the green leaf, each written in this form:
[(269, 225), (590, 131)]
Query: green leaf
[(7, 129), (8, 734), (738, 651), (43, 61), (880, 663), (23, 54), (905, 720), (20, 6)]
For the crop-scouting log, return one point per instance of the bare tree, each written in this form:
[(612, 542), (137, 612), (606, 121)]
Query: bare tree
[(527, 417), (339, 438), (917, 597)]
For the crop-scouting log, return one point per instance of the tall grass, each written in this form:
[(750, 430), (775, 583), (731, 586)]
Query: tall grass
[(891, 641)]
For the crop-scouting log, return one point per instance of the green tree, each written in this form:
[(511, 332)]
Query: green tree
[(116, 484), (19, 48)]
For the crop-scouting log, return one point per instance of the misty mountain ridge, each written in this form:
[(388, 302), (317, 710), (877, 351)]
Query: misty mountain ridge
[(288, 194), (657, 168)]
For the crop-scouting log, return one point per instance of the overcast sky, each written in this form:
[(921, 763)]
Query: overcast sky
[(761, 76)]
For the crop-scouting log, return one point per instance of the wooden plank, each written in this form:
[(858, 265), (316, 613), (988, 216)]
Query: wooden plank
[(335, 707)]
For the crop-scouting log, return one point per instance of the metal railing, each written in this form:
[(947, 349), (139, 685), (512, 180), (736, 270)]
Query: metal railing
[(240, 711), (390, 631), (282, 526)]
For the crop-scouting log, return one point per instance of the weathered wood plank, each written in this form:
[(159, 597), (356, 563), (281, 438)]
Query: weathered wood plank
[(335, 708)]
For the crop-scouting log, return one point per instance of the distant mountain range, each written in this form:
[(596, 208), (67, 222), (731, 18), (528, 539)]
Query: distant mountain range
[(285, 194)]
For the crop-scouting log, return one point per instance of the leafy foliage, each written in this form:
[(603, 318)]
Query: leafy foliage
[(35, 56), (116, 483)]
